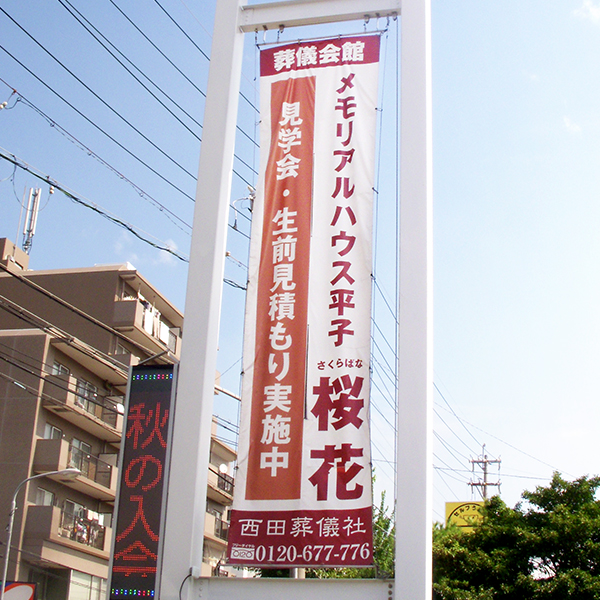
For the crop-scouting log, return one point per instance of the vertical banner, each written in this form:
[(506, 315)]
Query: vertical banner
[(303, 486), (139, 506)]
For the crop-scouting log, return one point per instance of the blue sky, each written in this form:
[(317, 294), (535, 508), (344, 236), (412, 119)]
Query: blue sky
[(516, 203)]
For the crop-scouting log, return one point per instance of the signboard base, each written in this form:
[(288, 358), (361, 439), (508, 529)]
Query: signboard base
[(225, 588)]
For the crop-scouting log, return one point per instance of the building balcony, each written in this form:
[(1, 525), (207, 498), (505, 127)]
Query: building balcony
[(105, 367), (220, 487), (138, 322), (221, 529), (102, 417), (49, 525), (216, 530), (98, 478)]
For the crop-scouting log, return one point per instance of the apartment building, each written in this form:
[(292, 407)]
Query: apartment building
[(219, 498), (67, 340)]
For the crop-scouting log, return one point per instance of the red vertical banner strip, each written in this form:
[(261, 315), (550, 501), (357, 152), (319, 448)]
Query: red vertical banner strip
[(278, 390)]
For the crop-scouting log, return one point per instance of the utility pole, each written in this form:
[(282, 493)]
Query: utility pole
[(483, 461)]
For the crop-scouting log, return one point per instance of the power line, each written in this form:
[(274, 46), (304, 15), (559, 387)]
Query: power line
[(38, 323), (450, 469), (450, 449), (182, 31), (393, 350), (372, 404), (441, 493), (110, 137), (454, 413), (196, 18), (176, 67), (38, 364), (99, 98), (385, 300), (235, 284), (383, 356), (446, 464), (38, 288), (158, 49), (464, 422), (71, 10), (92, 206), (384, 371), (452, 431), (385, 393), (89, 204), (143, 194), (66, 388), (224, 422), (196, 46), (80, 18), (518, 449)]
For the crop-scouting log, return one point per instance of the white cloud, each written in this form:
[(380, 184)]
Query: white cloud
[(534, 77), (571, 126), (588, 10), (122, 243), (122, 248), (166, 258)]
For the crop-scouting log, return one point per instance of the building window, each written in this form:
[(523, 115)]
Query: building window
[(81, 456), (82, 525), (52, 433), (59, 369), (72, 513), (44, 497), (127, 292), (86, 587), (172, 343), (120, 349), (87, 394)]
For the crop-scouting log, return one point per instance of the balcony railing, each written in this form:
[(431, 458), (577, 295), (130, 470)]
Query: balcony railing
[(82, 530), (102, 408), (145, 325), (225, 483), (90, 466), (62, 389), (221, 528)]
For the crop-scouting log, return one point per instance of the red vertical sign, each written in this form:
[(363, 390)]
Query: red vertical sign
[(280, 357)]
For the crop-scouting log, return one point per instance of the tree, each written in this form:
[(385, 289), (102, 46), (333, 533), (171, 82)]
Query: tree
[(547, 547)]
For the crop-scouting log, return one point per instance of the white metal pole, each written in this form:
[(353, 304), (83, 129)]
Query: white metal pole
[(70, 472), (415, 362), (11, 521), (186, 494)]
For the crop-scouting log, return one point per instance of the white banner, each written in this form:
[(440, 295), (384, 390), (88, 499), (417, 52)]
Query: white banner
[(303, 486)]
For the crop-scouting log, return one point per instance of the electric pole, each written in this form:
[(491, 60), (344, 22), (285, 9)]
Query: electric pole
[(483, 461)]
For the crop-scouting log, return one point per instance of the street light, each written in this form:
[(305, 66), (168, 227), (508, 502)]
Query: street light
[(70, 473)]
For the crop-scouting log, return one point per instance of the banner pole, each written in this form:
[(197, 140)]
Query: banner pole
[(415, 362), (186, 500)]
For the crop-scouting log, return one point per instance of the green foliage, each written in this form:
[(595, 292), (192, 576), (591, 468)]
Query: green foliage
[(547, 547)]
